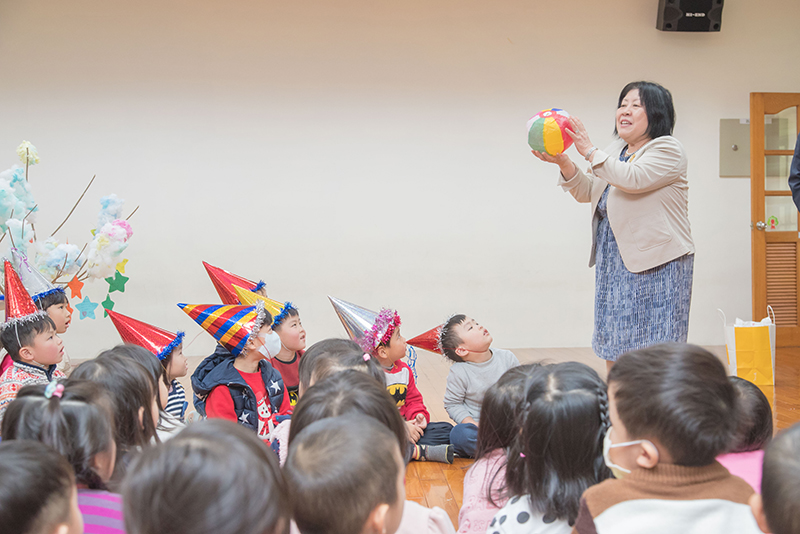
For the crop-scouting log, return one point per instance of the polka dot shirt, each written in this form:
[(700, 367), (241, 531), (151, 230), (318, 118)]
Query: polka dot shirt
[(517, 517)]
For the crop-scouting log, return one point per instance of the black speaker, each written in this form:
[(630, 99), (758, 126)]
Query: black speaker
[(689, 15)]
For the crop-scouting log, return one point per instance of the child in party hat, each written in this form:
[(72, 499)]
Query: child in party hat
[(224, 281), (30, 338), (48, 297), (167, 347), (476, 367), (241, 386), (378, 334), (286, 323)]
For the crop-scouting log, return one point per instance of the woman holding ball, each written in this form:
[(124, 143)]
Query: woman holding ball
[(642, 246)]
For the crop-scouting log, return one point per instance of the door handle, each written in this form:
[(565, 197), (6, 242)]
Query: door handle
[(760, 226)]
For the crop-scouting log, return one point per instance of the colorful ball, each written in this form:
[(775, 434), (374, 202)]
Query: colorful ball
[(547, 131)]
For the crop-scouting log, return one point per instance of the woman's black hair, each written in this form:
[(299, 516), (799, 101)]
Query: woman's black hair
[(36, 487), (450, 340), (559, 453), (679, 395), (130, 386), (657, 102), (79, 425), (331, 355), (214, 477), (349, 392), (51, 299), (755, 417), (15, 336), (338, 470)]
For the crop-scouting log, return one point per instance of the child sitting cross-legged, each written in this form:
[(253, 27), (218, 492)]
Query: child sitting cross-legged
[(477, 366), (777, 509), (215, 477), (30, 338), (75, 418), (485, 482), (672, 411), (753, 435), (558, 452), (37, 491)]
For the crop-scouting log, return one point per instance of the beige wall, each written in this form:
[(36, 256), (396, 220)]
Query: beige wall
[(372, 150)]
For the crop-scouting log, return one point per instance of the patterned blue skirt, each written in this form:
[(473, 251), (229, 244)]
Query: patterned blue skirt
[(635, 310)]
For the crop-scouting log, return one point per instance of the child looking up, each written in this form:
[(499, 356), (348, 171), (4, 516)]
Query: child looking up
[(37, 490), (559, 450), (378, 335), (485, 482), (476, 368), (30, 338), (242, 387), (346, 475), (75, 418), (215, 477), (753, 435), (777, 509), (672, 411)]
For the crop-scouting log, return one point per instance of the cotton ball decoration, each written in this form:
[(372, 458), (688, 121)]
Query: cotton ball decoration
[(547, 131)]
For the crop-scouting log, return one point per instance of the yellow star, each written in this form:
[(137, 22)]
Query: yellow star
[(121, 266)]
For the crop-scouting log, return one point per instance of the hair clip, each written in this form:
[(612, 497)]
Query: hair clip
[(53, 389), (367, 357), (522, 455)]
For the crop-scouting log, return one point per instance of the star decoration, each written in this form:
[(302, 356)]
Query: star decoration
[(121, 266), (75, 286), (107, 304), (243, 418), (117, 283), (274, 385), (86, 307)]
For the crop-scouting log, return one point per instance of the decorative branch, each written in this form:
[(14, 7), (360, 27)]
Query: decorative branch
[(131, 215), (75, 206)]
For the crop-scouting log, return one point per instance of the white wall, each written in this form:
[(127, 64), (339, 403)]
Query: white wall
[(374, 151)]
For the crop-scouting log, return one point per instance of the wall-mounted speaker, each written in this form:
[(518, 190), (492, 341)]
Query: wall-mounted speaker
[(689, 15)]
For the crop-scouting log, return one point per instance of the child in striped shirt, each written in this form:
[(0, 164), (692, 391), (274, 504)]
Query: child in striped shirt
[(176, 366)]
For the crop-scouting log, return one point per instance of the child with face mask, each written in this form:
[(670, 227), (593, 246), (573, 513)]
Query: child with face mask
[(241, 386)]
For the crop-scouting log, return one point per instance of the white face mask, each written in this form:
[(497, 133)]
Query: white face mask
[(271, 345), (617, 470)]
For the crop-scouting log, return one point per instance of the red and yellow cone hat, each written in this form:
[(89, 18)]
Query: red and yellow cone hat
[(231, 326), (278, 310), (158, 341), (223, 282), (19, 304), (430, 340)]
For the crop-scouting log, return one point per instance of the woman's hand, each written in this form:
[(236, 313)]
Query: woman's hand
[(568, 168), (579, 136)]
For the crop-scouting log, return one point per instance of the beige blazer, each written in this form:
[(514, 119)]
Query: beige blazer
[(647, 203)]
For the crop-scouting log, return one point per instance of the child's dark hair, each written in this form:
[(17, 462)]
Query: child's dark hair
[(291, 312), (755, 417), (679, 395), (130, 387), (79, 425), (214, 477), (36, 488), (332, 355), (338, 470), (147, 359), (21, 334), (559, 452), (780, 482), (349, 392), (51, 299), (450, 340)]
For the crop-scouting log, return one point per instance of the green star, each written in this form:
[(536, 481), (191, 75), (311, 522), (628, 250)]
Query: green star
[(117, 283), (107, 304)]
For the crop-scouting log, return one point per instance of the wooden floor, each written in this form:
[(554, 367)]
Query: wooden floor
[(434, 484)]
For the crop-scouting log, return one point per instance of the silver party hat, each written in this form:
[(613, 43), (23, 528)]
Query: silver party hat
[(34, 281), (366, 327)]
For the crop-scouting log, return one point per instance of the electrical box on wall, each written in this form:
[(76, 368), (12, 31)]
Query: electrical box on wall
[(689, 15)]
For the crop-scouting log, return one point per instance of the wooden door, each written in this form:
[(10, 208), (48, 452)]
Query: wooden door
[(775, 238)]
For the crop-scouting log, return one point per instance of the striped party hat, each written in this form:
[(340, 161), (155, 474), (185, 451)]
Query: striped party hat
[(231, 326)]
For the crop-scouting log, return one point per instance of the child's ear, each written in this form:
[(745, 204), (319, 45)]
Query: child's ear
[(461, 352), (376, 522), (757, 506), (26, 354), (61, 529), (381, 351), (648, 456)]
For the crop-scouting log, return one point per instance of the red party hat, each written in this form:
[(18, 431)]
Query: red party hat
[(224, 281), (430, 340), (158, 341), (19, 304)]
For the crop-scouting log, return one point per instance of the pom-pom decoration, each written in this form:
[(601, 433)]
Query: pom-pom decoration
[(547, 131)]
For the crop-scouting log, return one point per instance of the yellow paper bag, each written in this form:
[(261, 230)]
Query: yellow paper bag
[(750, 348)]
